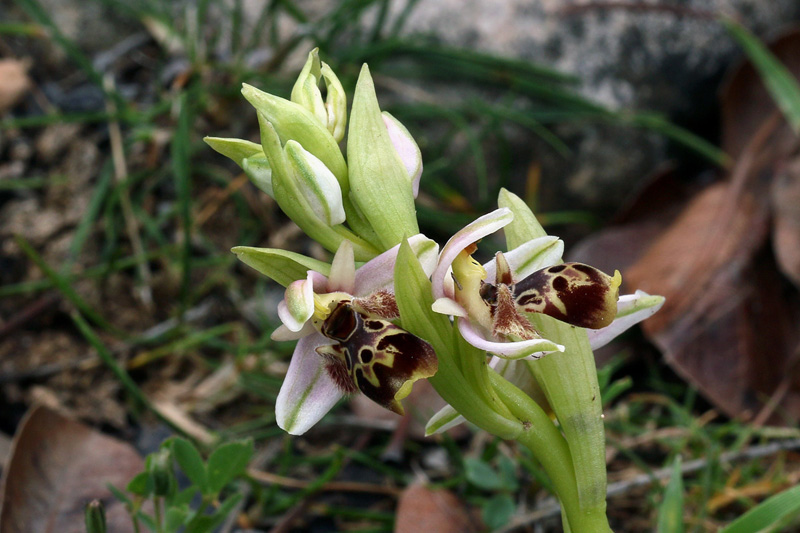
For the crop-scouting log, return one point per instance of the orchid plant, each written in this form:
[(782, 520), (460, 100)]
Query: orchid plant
[(508, 344)]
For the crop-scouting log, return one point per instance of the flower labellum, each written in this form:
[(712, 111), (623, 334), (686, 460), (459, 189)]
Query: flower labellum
[(344, 316), (374, 356), (577, 294)]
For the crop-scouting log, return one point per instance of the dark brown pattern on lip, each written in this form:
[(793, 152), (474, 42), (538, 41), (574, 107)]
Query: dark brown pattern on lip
[(577, 294), (373, 355)]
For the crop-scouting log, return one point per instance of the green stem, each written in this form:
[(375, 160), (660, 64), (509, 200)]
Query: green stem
[(475, 369), (158, 515), (550, 448), (569, 381)]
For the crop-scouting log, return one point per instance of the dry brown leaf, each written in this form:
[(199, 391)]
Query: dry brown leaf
[(14, 82), (785, 195), (653, 207), (726, 325), (746, 102), (425, 509), (58, 465)]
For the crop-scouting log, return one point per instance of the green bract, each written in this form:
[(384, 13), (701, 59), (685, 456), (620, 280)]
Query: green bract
[(379, 182)]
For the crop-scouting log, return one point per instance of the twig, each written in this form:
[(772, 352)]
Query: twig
[(29, 313), (550, 508), (87, 363), (333, 486), (120, 176), (213, 205)]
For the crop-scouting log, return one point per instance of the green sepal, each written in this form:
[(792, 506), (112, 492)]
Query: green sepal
[(279, 265), (293, 121), (235, 149), (414, 300), (378, 178), (524, 227)]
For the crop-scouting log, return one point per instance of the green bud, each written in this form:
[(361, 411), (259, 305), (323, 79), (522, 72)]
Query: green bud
[(335, 103), (260, 173), (317, 183), (292, 199), (292, 121), (380, 184), (94, 515), (159, 466), (333, 112), (306, 89)]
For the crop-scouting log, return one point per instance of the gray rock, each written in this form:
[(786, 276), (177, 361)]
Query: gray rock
[(664, 56)]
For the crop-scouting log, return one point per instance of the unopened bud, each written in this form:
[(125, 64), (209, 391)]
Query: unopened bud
[(94, 515)]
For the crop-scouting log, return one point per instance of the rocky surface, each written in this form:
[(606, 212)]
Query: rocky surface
[(665, 56)]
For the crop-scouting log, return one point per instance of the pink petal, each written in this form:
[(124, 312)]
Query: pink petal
[(534, 349), (529, 257), (343, 269), (378, 273), (631, 309), (406, 148), (297, 305), (307, 393), (472, 232)]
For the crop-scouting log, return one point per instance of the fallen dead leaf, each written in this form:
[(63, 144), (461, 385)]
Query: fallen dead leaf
[(785, 193), (422, 508), (14, 82), (744, 99), (57, 465)]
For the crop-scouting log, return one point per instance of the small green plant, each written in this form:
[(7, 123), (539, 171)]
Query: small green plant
[(202, 505), (500, 483)]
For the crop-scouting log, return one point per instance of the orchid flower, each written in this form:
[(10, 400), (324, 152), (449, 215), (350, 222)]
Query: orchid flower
[(476, 304), (353, 309)]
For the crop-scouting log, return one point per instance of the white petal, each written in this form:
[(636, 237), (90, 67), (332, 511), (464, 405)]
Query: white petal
[(378, 273), (319, 186), (407, 149), (258, 170), (447, 306), (297, 305), (529, 257), (446, 418), (343, 269), (472, 232), (631, 308), (533, 349), (307, 393), (282, 333)]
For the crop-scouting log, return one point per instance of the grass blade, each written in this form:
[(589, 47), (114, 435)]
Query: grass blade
[(670, 514), (768, 514)]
